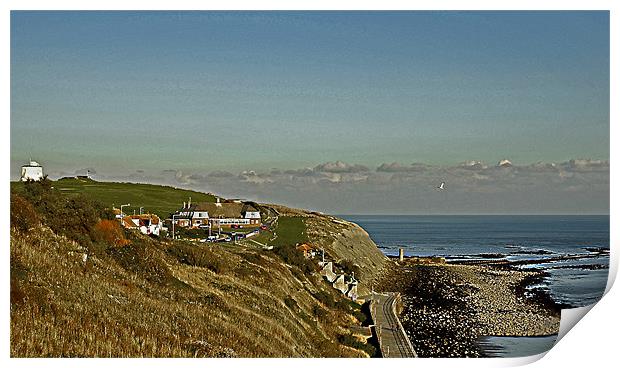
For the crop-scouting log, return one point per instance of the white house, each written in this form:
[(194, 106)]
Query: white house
[(148, 224), (32, 171), (217, 214)]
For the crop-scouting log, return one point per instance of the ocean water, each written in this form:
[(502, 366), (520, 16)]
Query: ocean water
[(573, 250), (512, 347)]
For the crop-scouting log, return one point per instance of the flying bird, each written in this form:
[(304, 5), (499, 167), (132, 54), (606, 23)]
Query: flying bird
[(441, 186)]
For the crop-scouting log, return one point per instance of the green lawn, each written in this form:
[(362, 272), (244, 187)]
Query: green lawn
[(290, 231), (161, 200)]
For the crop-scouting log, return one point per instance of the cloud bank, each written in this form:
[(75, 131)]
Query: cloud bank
[(573, 186)]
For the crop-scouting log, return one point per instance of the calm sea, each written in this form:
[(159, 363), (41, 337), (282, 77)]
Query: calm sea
[(574, 282)]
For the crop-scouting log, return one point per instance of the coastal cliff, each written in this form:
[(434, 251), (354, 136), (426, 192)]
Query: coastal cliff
[(77, 292), (343, 241)]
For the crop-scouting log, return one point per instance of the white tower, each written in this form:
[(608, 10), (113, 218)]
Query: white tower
[(32, 171)]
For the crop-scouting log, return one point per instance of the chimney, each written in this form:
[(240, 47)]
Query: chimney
[(401, 254), (189, 204), (184, 205)]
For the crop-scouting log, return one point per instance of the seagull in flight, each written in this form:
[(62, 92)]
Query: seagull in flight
[(441, 186)]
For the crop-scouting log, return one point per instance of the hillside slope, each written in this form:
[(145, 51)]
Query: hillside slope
[(76, 291), (158, 299), (343, 241)]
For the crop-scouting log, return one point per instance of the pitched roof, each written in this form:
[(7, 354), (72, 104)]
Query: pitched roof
[(304, 247), (146, 216), (128, 223), (248, 208), (225, 210)]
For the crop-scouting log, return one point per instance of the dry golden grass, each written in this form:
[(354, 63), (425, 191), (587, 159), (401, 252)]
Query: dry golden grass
[(141, 300)]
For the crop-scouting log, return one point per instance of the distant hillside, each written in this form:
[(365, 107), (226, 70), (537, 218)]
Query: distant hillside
[(158, 199)]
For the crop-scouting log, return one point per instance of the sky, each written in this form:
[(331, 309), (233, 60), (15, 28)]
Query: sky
[(346, 112)]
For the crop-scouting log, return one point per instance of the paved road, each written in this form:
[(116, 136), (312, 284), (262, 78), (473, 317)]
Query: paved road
[(392, 337)]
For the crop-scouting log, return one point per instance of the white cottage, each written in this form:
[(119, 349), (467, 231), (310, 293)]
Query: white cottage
[(217, 214), (32, 171)]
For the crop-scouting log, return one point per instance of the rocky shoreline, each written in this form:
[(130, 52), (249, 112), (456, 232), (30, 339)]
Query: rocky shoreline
[(448, 308)]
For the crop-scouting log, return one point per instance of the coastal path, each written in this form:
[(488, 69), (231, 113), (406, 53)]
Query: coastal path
[(393, 340)]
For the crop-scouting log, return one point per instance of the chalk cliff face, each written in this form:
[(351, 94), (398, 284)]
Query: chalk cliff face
[(343, 241)]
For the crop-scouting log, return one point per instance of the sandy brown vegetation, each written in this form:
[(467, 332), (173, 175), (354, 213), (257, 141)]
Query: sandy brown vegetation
[(72, 297), (154, 300)]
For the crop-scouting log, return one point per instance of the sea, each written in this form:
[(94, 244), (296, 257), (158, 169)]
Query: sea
[(573, 250)]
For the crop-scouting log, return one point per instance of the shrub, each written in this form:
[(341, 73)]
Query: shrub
[(291, 303), (73, 216), (325, 298), (344, 305), (110, 231), (361, 317), (199, 257), (293, 257), (352, 341), (319, 313), (253, 258), (23, 214), (143, 260), (349, 267)]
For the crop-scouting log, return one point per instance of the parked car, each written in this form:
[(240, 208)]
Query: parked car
[(263, 227)]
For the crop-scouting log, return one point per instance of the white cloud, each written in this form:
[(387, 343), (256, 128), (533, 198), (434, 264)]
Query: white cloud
[(340, 167), (576, 186)]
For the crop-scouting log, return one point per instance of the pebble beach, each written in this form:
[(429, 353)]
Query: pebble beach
[(447, 308)]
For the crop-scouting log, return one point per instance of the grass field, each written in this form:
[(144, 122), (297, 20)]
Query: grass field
[(290, 231), (161, 200)]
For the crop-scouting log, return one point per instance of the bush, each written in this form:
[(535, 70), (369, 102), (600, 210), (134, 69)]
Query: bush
[(143, 260), (253, 258), (293, 257), (291, 303), (199, 257), (73, 216), (352, 341), (349, 268), (361, 317), (325, 298), (23, 214), (110, 231), (319, 313)]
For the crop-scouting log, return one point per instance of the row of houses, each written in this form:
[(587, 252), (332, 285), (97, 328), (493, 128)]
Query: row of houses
[(346, 284), (218, 214)]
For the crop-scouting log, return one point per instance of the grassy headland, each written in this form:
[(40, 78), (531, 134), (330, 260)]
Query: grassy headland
[(82, 289), (157, 199)]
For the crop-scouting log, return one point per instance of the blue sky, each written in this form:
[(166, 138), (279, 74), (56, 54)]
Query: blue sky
[(234, 91)]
